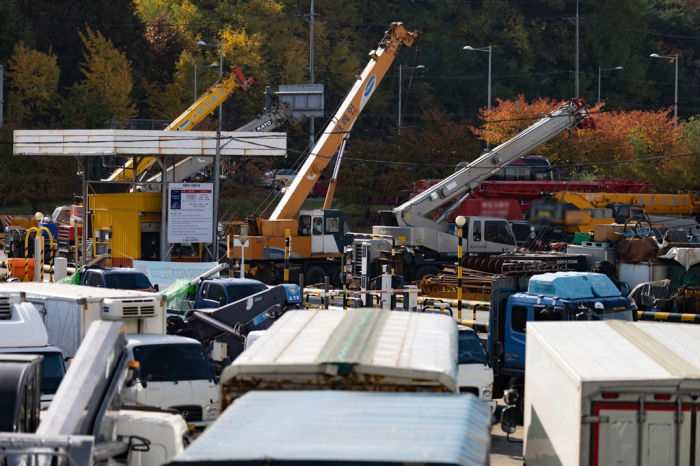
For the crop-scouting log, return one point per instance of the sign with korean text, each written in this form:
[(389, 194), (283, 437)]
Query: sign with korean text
[(190, 209)]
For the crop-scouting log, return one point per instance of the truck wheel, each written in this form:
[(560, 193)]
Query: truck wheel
[(314, 275), (426, 270), (335, 277)]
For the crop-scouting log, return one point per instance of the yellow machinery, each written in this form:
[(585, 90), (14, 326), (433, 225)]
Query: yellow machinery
[(606, 208), (318, 235), (127, 225)]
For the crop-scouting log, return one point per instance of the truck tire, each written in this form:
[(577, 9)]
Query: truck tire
[(313, 275), (425, 270), (334, 277)]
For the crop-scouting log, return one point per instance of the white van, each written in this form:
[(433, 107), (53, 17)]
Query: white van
[(176, 373)]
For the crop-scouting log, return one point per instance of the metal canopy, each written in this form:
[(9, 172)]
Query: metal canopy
[(135, 142)]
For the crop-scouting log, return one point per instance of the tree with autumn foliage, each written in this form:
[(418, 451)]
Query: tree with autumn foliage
[(34, 84), (633, 145), (108, 70)]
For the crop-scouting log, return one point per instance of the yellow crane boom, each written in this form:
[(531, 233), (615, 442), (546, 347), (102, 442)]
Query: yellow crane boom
[(203, 107)]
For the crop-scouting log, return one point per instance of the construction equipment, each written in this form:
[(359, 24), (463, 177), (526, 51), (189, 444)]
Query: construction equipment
[(271, 120), (317, 237), (204, 106), (423, 241), (593, 209)]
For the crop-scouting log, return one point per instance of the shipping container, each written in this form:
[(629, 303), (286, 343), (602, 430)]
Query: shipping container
[(612, 393)]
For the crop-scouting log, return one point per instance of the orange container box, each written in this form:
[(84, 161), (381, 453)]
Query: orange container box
[(17, 265)]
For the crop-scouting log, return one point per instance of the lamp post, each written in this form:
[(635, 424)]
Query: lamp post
[(401, 67), (675, 99), (605, 69), (460, 221), (484, 49), (217, 157), (213, 65)]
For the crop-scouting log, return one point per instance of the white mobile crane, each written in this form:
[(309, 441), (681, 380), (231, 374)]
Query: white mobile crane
[(425, 244), (269, 121)]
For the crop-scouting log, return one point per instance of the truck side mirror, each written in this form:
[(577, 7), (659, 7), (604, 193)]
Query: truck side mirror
[(144, 381), (508, 419), (156, 287)]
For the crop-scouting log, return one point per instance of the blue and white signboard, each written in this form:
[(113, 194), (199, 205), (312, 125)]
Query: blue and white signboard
[(190, 209), (165, 273)]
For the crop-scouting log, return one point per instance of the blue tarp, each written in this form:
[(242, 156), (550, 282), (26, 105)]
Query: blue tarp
[(572, 285)]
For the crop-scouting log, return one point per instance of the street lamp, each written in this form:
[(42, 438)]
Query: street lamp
[(401, 67), (213, 65), (217, 157), (484, 49), (605, 69), (460, 221), (675, 100)]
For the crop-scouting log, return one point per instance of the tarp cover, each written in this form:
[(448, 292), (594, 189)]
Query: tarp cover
[(655, 295), (572, 285), (72, 279), (687, 257), (635, 250), (177, 296)]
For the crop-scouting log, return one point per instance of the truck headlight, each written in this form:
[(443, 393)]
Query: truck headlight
[(212, 411), (487, 392)]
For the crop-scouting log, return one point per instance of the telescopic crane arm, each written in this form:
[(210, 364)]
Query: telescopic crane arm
[(203, 107), (457, 186), (342, 122)]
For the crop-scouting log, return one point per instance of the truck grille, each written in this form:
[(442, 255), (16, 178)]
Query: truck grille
[(191, 413), (472, 390), (5, 308)]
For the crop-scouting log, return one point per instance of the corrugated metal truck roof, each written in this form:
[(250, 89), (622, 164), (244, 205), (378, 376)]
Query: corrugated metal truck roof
[(365, 349), (349, 427)]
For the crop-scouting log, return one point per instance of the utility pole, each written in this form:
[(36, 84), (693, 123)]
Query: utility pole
[(1, 95), (577, 49), (311, 66)]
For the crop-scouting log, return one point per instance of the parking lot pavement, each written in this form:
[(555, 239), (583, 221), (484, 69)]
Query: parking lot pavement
[(504, 452)]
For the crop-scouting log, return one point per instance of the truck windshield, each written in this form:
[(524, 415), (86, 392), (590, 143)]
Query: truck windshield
[(625, 315), (470, 350), (127, 281), (52, 372), (173, 362)]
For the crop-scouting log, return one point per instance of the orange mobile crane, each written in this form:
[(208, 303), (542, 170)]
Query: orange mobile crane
[(317, 236)]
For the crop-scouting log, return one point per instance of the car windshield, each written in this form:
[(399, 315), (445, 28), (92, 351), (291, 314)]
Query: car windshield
[(52, 372), (173, 362), (470, 350), (127, 281)]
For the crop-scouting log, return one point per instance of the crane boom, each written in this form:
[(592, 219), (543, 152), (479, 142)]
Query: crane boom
[(268, 121), (453, 188), (342, 122), (204, 106)]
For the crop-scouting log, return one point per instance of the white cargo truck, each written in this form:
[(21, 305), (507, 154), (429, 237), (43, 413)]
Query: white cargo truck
[(358, 349), (611, 393), (188, 385)]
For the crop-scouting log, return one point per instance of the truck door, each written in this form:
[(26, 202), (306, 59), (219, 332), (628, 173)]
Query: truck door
[(514, 341), (317, 234), (498, 237), (475, 243), (616, 439)]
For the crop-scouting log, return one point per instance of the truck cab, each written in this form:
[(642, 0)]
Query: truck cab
[(22, 331), (118, 278), (474, 373), (561, 296), (215, 293), (176, 374)]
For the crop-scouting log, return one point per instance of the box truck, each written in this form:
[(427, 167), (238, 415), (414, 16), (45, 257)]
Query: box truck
[(188, 385), (611, 393), (358, 349)]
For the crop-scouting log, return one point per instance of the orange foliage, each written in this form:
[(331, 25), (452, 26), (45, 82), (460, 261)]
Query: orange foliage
[(619, 136)]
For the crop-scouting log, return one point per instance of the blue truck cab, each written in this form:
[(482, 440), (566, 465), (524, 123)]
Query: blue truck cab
[(561, 296)]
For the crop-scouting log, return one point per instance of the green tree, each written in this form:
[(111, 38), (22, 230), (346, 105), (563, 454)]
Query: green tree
[(33, 78), (84, 108), (12, 30), (108, 70)]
